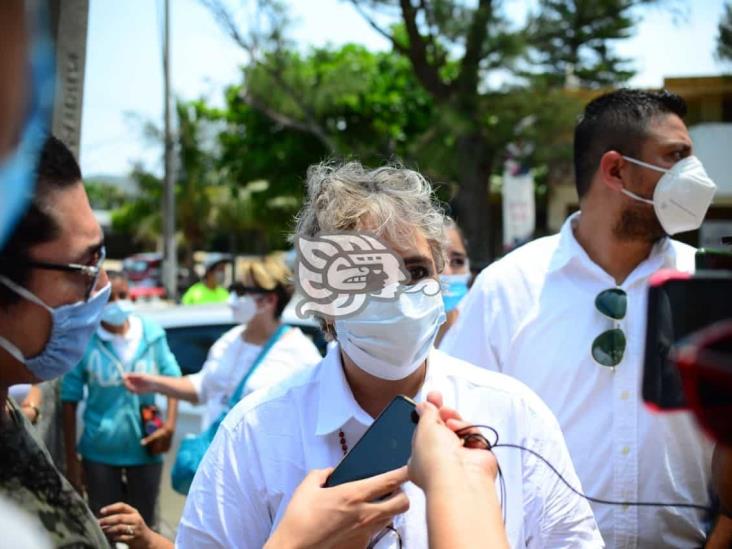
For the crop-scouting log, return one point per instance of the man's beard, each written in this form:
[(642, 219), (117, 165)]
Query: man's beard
[(638, 224)]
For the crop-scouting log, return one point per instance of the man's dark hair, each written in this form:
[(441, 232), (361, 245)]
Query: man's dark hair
[(617, 121), (56, 170)]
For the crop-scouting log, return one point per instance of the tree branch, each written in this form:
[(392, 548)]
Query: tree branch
[(310, 125), (289, 122), (427, 73), (470, 64), (374, 25)]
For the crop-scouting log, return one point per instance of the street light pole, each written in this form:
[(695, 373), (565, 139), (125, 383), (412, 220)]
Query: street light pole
[(170, 270)]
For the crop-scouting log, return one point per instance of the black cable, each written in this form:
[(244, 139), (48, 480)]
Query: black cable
[(490, 447)]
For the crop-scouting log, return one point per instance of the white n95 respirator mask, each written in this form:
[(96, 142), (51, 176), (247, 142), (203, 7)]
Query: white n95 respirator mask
[(682, 195), (390, 339)]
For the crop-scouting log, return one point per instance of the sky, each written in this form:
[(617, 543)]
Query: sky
[(124, 84)]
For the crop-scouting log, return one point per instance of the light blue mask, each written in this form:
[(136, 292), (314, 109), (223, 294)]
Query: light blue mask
[(71, 329), (454, 289), (17, 170), (117, 312)]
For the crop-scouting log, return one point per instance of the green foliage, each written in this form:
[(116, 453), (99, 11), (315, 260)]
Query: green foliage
[(572, 41), (103, 195), (724, 38), (430, 102)]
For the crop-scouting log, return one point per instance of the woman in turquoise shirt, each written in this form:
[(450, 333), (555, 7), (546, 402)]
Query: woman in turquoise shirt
[(119, 460)]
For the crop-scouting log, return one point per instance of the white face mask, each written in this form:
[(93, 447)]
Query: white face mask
[(243, 308), (682, 196), (390, 339)]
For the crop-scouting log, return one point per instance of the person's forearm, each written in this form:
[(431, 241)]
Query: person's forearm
[(69, 422), (172, 415), (721, 535), (175, 387), (462, 508)]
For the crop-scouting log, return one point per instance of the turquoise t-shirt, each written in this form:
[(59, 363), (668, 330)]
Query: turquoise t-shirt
[(112, 423)]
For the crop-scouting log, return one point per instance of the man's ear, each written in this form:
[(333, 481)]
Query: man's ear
[(612, 169)]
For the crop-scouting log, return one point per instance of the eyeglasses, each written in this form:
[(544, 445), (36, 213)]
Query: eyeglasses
[(608, 348), (91, 272), (242, 290)]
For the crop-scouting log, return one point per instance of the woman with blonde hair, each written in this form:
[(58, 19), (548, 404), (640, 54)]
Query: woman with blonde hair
[(259, 347)]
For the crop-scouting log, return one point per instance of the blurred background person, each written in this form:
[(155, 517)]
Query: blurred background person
[(257, 303), (456, 278), (52, 294), (211, 288), (121, 451)]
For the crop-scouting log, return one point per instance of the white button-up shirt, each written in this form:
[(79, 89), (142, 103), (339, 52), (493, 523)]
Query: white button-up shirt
[(532, 316), (269, 442), (230, 358)]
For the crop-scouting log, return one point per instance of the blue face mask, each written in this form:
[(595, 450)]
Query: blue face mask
[(71, 329), (17, 175), (117, 312), (454, 289)]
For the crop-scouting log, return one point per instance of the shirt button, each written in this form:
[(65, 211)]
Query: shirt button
[(626, 451), (624, 395)]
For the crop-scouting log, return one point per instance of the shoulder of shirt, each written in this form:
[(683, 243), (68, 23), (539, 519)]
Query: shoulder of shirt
[(296, 341), (685, 255), (272, 395), (532, 257), (462, 372), (151, 329)]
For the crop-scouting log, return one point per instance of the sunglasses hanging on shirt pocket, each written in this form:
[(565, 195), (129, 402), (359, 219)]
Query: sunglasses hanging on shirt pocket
[(609, 347)]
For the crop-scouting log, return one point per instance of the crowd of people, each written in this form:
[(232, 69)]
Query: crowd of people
[(527, 379)]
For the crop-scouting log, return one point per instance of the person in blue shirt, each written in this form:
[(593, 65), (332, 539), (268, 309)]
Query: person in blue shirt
[(121, 459)]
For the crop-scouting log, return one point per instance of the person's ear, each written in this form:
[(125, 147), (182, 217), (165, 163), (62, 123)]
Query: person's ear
[(612, 170), (269, 301)]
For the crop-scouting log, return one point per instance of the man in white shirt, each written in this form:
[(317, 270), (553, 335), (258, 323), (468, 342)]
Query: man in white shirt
[(268, 443), (543, 315)]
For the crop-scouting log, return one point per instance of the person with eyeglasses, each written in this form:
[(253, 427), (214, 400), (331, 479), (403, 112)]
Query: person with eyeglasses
[(53, 290), (257, 303), (566, 315), (456, 277), (121, 449)]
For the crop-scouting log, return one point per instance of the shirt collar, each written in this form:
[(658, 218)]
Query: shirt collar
[(336, 403), (662, 253)]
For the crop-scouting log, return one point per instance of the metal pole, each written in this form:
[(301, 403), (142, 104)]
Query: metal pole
[(170, 268)]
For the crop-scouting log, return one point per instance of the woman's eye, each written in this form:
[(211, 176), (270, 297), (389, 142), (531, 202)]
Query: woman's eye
[(418, 273)]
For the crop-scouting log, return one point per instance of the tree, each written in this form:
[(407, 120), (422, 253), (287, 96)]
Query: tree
[(103, 195), (196, 174), (571, 41), (724, 38), (452, 49), (366, 104)]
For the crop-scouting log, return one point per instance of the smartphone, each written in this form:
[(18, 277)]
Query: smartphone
[(385, 446), (679, 304), (151, 419)]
